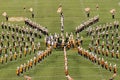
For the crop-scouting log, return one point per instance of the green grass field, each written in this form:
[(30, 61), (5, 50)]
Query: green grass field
[(52, 67)]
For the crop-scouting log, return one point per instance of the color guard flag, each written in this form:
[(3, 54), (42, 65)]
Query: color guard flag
[(59, 10), (112, 11), (31, 9), (87, 9), (4, 14)]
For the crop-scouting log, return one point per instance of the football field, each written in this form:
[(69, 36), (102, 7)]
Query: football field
[(45, 14)]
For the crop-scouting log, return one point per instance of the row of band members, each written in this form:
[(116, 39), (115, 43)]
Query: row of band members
[(103, 28), (14, 54), (66, 65), (86, 24), (16, 40), (6, 46), (33, 62), (21, 30), (109, 40), (95, 59), (34, 25), (16, 37), (108, 46), (105, 52)]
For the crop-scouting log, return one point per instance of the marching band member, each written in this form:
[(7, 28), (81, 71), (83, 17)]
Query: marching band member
[(28, 64), (90, 47), (46, 52), (5, 49), (117, 47), (117, 54), (39, 57), (2, 24), (95, 58), (50, 50), (34, 50), (31, 63), (66, 70), (29, 50), (107, 52), (103, 44), (106, 65), (3, 35), (45, 40), (11, 56), (8, 43), (21, 47), (55, 44), (25, 51), (103, 51), (15, 55), (20, 54), (115, 68), (42, 55), (33, 46), (25, 67), (108, 46), (38, 46), (110, 67), (81, 40), (102, 62), (18, 71), (112, 53), (68, 45), (87, 54), (48, 43), (6, 58), (2, 60), (21, 68), (99, 50), (71, 39), (62, 44), (90, 56), (35, 60), (0, 50)]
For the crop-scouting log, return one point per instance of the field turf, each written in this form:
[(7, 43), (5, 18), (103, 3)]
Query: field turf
[(52, 67)]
